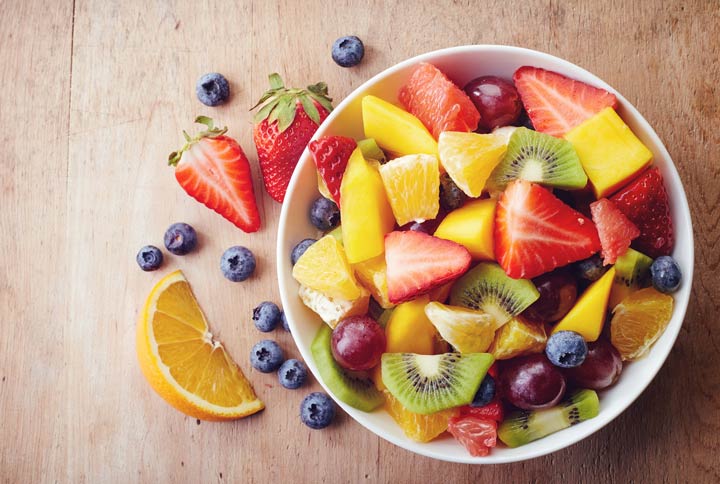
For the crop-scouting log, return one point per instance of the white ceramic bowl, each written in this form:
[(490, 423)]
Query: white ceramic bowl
[(462, 64)]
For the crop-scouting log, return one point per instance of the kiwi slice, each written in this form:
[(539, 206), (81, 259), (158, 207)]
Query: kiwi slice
[(524, 426), (371, 150), (632, 272), (354, 388), (487, 288), (539, 158), (429, 383), (337, 233)]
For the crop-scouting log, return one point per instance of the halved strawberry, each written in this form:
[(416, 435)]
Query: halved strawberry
[(213, 169), (477, 435), (535, 232), (645, 203), (493, 411), (555, 103), (418, 263), (615, 230), (331, 155)]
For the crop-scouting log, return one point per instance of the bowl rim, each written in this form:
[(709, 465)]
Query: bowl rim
[(681, 298)]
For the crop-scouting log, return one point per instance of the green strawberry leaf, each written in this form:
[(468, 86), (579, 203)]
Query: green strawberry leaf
[(323, 101), (310, 109), (276, 81), (287, 116)]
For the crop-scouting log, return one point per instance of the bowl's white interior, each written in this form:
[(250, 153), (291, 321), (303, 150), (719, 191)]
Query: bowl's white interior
[(462, 64)]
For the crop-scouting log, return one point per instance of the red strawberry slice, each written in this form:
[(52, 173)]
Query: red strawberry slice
[(615, 230), (645, 203), (214, 170), (535, 232), (555, 103), (493, 411), (477, 435), (331, 155), (418, 263)]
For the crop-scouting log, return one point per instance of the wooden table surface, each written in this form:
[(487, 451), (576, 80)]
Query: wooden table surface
[(94, 95)]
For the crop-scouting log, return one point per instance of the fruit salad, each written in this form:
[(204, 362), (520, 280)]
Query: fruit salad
[(488, 257)]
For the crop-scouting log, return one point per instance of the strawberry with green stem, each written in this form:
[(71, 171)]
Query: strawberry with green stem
[(284, 124)]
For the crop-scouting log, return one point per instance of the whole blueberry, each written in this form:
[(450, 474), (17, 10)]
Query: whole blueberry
[(266, 316), (292, 374), (283, 319), (266, 356), (180, 238), (485, 393), (149, 258), (451, 197), (566, 349), (666, 275), (317, 410), (348, 51), (590, 269), (212, 89), (324, 214), (300, 249), (237, 263)]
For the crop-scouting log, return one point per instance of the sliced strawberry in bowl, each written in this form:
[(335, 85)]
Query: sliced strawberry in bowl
[(645, 202), (555, 103), (477, 435), (535, 232), (418, 262), (616, 231), (331, 155)]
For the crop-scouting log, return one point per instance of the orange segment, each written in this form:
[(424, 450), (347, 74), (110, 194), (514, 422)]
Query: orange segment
[(638, 321), (181, 360), (412, 184), (418, 427), (470, 158)]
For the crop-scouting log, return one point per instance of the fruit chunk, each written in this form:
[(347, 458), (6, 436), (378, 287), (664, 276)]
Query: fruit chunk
[(522, 427), (588, 315), (609, 152), (531, 382), (487, 288), (418, 263), (467, 330), (535, 232), (356, 389), (639, 320), (496, 99), (409, 330), (394, 129), (430, 383), (518, 337), (539, 158), (493, 410), (332, 310), (437, 101), (325, 268), (614, 229), (558, 293), (472, 227), (477, 435), (183, 362), (364, 209), (372, 274), (469, 158), (601, 368), (645, 203), (331, 155), (418, 427), (357, 343), (555, 103), (371, 150), (412, 185)]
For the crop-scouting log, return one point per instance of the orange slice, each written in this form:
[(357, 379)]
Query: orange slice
[(182, 361), (638, 321)]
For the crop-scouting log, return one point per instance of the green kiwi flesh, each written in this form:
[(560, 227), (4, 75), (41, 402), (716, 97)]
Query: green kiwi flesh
[(487, 288), (540, 158), (354, 388), (371, 150), (430, 383), (522, 427), (632, 272)]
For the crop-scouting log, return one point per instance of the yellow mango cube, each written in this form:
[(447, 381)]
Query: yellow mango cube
[(588, 315), (409, 330), (394, 129), (472, 227), (609, 151), (364, 210), (372, 274)]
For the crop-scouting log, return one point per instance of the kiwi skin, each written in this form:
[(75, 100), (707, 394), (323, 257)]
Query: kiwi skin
[(486, 287), (522, 427), (632, 272), (539, 158), (356, 388)]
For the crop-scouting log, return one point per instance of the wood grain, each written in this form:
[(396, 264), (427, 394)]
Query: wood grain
[(95, 94)]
